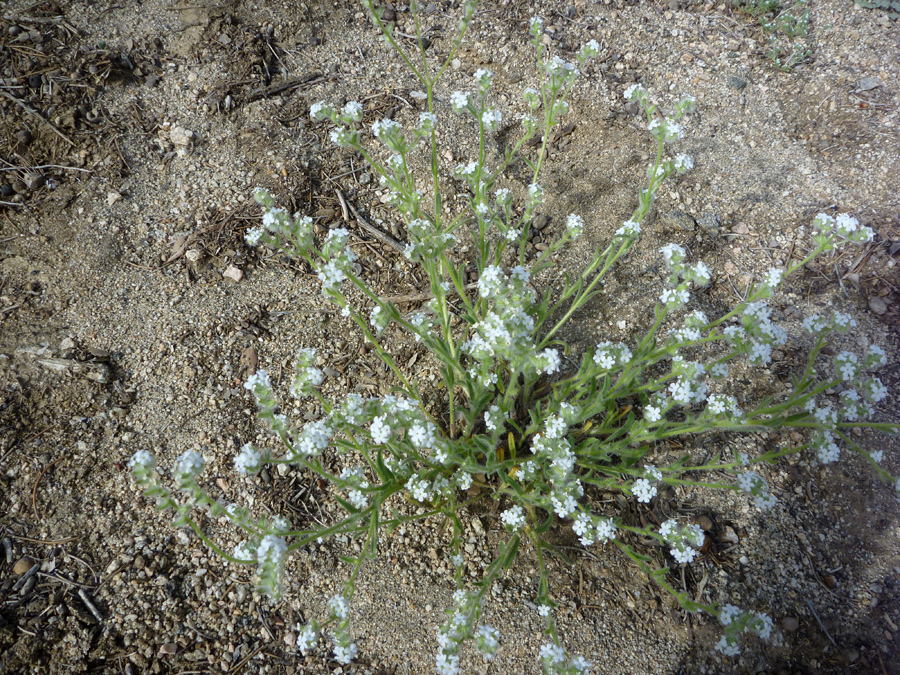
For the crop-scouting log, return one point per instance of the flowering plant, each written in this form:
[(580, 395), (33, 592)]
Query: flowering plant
[(538, 437)]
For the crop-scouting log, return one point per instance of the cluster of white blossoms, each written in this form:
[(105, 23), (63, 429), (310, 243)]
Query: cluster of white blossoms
[(278, 228), (425, 242), (460, 626), (642, 488), (248, 460), (505, 333), (555, 662), (608, 355), (757, 487), (593, 529), (831, 230), (270, 555), (357, 484), (684, 540), (513, 518), (680, 276), (737, 621), (306, 376)]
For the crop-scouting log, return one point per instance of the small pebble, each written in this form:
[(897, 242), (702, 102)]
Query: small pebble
[(789, 624), (736, 83), (877, 305), (33, 180), (232, 272), (22, 566)]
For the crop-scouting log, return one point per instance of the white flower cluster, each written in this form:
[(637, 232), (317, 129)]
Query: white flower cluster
[(494, 418), (306, 376), (688, 387), (592, 529), (505, 332), (834, 230), (338, 259), (270, 556), (720, 405), (555, 662), (677, 296), (187, 467), (684, 540), (665, 129), (608, 355), (425, 242), (736, 621), (758, 334), (513, 518), (755, 485), (248, 460), (278, 228), (356, 495), (459, 627)]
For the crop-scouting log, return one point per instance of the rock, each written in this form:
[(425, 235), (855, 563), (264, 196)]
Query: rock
[(232, 272), (112, 197), (736, 83), (181, 138), (868, 83), (22, 566), (877, 305), (709, 221), (789, 624), (24, 136), (679, 220), (632, 108), (705, 523), (540, 222), (7, 190), (389, 15), (33, 180), (193, 255)]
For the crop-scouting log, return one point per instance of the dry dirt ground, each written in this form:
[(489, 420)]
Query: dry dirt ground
[(131, 136)]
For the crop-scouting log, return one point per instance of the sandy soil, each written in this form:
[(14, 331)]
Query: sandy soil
[(131, 137)]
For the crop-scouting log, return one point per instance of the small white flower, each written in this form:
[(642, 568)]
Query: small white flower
[(249, 460), (307, 638), (339, 606), (544, 610), (513, 517), (683, 163), (728, 645), (380, 429), (652, 413), (643, 490)]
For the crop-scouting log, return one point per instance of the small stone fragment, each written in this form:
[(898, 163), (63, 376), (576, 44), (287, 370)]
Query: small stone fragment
[(33, 180), (789, 624), (736, 83), (679, 220), (22, 566), (112, 197), (232, 272), (877, 305), (867, 83), (193, 255)]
